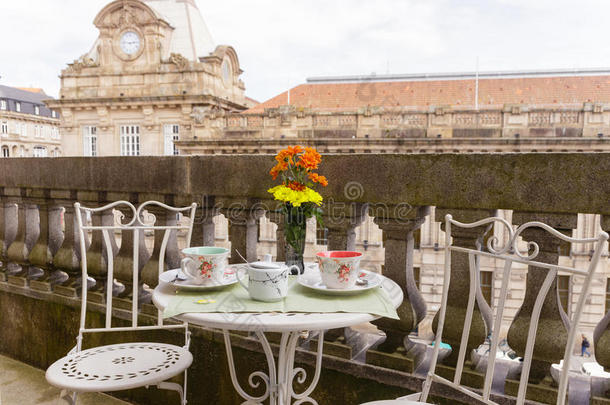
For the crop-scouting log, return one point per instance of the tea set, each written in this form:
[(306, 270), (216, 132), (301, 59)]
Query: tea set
[(205, 268)]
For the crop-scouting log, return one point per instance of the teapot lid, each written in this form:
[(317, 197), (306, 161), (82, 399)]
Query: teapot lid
[(266, 265)]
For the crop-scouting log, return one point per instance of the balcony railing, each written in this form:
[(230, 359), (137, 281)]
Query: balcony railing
[(40, 269)]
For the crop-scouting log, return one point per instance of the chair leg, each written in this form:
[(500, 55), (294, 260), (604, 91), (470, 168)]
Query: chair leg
[(170, 386), (70, 398)]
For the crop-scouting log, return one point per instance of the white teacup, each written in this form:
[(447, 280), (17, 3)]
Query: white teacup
[(267, 281), (339, 269), (204, 265)]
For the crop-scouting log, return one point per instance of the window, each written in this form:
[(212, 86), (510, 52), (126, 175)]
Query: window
[(89, 141), (321, 235), (607, 295), (40, 151), (5, 152), (4, 127), (3, 105), (21, 151), (37, 132), (563, 290), (36, 110), (54, 114), (17, 106), (171, 133), (487, 279), (24, 130), (55, 133), (130, 140)]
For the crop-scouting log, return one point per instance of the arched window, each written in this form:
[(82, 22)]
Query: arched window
[(5, 152)]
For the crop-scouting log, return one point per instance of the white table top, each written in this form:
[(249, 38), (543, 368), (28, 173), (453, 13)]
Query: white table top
[(275, 322)]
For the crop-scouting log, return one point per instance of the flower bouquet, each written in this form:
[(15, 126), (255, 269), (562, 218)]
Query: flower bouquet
[(295, 167)]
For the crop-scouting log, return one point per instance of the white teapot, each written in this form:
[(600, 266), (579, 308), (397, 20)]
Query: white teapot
[(267, 281)]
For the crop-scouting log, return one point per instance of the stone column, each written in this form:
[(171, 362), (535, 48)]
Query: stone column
[(457, 300), (243, 229), (399, 244), (277, 217), (601, 336), (27, 234), (8, 230), (67, 258), (552, 336)]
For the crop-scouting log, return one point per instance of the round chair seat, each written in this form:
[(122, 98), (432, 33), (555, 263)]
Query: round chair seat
[(118, 367)]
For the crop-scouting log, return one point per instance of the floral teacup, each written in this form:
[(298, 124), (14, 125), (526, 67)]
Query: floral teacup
[(339, 269), (204, 265)]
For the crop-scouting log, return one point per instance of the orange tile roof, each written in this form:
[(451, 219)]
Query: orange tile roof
[(496, 92), (32, 89)]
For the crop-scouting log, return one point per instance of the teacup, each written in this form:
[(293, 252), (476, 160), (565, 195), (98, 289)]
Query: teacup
[(204, 265), (267, 281), (339, 269)]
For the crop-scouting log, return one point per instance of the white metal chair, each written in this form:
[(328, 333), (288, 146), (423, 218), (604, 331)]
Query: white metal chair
[(509, 254), (130, 365)]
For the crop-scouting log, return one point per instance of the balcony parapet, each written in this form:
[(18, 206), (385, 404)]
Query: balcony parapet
[(396, 190)]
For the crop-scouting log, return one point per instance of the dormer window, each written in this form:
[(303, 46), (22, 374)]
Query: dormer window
[(2, 104), (54, 114), (36, 110), (17, 106)]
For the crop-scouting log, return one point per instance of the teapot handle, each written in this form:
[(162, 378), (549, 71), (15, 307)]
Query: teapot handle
[(239, 278)]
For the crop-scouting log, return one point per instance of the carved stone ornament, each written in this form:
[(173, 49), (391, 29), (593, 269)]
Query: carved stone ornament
[(128, 17), (180, 61), (83, 62), (200, 114)]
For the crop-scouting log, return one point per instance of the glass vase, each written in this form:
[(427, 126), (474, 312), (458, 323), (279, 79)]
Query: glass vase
[(295, 230)]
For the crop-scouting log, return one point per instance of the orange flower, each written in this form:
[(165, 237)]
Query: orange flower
[(296, 186), (316, 178), (310, 159), (277, 169)]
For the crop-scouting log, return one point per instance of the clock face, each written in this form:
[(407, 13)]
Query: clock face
[(130, 42)]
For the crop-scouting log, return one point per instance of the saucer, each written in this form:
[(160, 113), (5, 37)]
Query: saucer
[(169, 277), (314, 282)]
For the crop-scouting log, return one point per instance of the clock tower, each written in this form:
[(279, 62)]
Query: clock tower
[(150, 75)]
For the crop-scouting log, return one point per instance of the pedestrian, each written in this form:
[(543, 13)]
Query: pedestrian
[(584, 345)]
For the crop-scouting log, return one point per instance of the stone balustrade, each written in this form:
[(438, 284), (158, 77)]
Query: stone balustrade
[(39, 253)]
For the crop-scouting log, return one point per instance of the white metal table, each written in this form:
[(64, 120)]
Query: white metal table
[(281, 374)]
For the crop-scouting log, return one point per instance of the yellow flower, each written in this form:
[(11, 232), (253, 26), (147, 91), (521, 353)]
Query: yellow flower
[(296, 198)]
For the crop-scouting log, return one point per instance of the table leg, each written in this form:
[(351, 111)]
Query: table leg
[(278, 382)]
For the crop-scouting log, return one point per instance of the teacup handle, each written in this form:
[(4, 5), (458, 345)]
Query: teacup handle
[(185, 268), (239, 278), (294, 270)]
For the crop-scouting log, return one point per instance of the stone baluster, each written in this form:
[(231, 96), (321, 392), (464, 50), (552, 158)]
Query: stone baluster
[(49, 241), (457, 300), (278, 218), (27, 234), (243, 219), (551, 336), (97, 265), (67, 258), (123, 262), (601, 336), (399, 245), (341, 223), (203, 226), (150, 272), (8, 226)]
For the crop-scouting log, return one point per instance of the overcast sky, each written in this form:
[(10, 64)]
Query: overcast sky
[(282, 42)]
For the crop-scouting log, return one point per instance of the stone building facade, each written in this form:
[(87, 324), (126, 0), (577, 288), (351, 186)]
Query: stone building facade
[(27, 127), (152, 73)]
